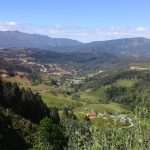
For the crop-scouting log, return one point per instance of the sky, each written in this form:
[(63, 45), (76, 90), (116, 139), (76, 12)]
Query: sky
[(84, 20)]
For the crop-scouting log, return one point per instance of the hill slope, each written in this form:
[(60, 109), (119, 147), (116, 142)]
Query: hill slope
[(135, 47), (127, 46), (19, 39)]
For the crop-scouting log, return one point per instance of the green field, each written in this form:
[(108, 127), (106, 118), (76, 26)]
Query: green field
[(50, 99), (94, 96), (27, 84), (111, 107), (144, 64), (60, 101), (125, 82), (99, 94), (100, 108), (21, 81)]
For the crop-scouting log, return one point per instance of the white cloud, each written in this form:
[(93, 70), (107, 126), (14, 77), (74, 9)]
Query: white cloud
[(53, 31), (81, 34), (85, 34), (141, 29), (10, 25)]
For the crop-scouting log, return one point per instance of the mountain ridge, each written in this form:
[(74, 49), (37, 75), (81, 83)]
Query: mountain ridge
[(138, 46), (20, 39)]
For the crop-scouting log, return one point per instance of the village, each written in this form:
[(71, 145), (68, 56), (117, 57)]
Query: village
[(22, 57)]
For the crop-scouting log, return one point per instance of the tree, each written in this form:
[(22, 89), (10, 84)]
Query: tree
[(66, 112), (78, 133), (54, 114), (69, 113), (49, 136), (23, 102), (1, 90)]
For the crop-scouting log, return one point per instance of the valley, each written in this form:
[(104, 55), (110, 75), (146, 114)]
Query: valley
[(67, 78), (74, 91), (74, 75)]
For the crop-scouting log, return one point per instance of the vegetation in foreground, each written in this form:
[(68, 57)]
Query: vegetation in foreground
[(72, 129)]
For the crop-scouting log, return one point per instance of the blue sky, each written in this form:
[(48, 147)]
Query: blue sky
[(85, 20)]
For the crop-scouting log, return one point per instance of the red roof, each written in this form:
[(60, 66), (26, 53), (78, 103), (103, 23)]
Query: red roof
[(91, 114)]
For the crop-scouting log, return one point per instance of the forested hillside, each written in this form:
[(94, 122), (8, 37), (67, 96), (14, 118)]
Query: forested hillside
[(18, 39), (133, 47), (23, 115)]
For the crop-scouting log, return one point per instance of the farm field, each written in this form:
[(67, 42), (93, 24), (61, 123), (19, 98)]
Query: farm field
[(125, 82), (94, 96), (110, 107), (50, 99), (58, 101), (100, 108)]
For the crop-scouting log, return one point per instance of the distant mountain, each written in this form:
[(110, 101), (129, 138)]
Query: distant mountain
[(135, 47), (132, 47), (127, 46), (19, 39)]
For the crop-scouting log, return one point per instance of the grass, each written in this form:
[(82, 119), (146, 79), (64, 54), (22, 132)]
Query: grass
[(95, 96), (125, 82), (21, 81), (27, 84), (88, 96), (50, 99), (111, 107), (58, 101), (39, 88), (142, 64)]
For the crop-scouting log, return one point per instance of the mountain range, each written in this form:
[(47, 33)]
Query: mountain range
[(127, 46), (18, 39)]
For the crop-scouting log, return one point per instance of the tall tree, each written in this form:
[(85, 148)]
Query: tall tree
[(49, 136)]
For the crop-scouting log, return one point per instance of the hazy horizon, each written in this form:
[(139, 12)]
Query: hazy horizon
[(84, 20)]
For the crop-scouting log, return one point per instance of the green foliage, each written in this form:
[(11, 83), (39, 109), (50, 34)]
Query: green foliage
[(15, 131), (125, 82), (129, 138), (76, 96), (114, 91), (70, 133), (49, 136), (67, 113), (79, 135), (23, 102), (35, 77), (101, 80)]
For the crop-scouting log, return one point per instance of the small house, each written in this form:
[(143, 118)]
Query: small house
[(91, 115)]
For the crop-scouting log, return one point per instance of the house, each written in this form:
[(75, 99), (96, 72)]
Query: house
[(3, 75), (91, 115)]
